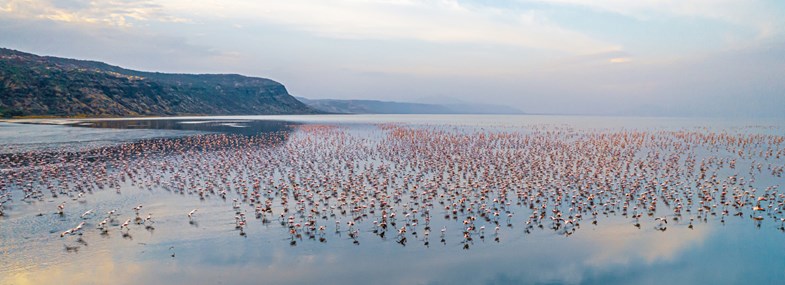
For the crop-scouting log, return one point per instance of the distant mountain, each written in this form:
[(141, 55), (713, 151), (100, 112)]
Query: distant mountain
[(32, 85), (388, 107)]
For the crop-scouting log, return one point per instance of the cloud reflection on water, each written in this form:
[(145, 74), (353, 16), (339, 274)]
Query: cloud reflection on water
[(623, 244), (537, 258), (613, 252)]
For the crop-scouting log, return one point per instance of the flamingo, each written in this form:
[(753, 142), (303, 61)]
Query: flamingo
[(137, 209), (85, 214), (125, 225), (149, 219), (61, 208)]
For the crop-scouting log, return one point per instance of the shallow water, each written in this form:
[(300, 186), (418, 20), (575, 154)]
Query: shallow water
[(211, 250)]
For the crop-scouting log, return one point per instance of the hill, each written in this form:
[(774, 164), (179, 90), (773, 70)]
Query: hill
[(389, 107), (32, 85)]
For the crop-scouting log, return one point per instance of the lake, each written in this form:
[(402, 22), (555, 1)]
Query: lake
[(392, 199)]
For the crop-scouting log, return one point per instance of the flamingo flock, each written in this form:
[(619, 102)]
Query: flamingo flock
[(404, 179)]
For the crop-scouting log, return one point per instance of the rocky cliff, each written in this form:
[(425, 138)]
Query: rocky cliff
[(32, 85)]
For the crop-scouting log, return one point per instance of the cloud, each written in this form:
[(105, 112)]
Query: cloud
[(441, 21), (111, 12), (619, 60), (735, 83), (134, 48), (763, 16), (522, 55), (7, 8)]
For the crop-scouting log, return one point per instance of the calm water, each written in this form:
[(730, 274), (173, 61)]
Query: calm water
[(211, 250)]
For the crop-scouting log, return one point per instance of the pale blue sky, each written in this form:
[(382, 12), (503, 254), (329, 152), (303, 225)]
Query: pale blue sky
[(669, 57)]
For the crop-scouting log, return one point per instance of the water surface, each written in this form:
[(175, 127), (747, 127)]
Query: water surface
[(212, 251)]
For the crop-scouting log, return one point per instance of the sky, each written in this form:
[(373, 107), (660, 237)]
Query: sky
[(713, 58)]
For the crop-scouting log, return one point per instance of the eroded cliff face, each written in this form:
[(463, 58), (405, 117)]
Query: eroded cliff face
[(34, 85)]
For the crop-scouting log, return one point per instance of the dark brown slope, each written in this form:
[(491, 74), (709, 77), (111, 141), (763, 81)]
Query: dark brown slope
[(32, 85)]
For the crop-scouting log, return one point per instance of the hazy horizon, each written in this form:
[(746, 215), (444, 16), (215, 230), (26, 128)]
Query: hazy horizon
[(723, 58)]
